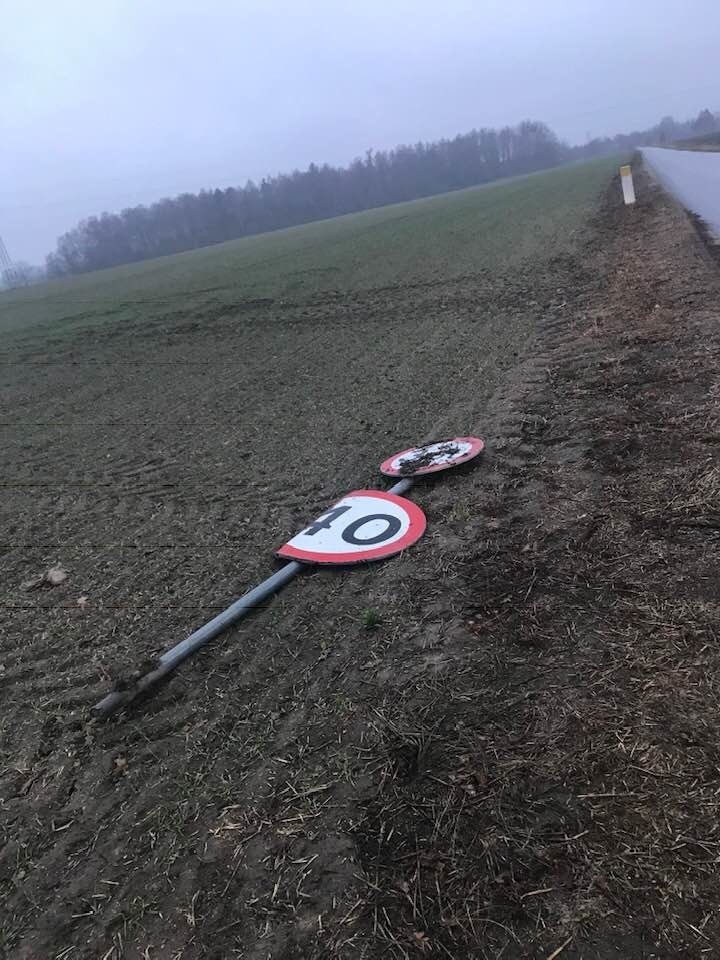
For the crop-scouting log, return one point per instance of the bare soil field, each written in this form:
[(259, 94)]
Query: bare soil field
[(503, 743)]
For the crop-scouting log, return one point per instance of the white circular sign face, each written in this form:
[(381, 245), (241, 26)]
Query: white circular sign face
[(364, 525), (432, 457)]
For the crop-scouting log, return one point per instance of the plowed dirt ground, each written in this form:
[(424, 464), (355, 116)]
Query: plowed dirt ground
[(520, 759)]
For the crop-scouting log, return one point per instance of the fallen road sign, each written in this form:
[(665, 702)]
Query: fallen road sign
[(365, 525), (432, 457)]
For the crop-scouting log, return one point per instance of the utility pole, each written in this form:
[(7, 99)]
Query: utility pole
[(8, 273)]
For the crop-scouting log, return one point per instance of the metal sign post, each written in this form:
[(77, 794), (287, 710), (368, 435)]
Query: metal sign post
[(365, 525)]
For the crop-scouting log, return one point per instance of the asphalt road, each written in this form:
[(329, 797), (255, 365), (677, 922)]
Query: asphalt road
[(693, 177)]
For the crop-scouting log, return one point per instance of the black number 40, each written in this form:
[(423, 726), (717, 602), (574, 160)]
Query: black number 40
[(350, 532)]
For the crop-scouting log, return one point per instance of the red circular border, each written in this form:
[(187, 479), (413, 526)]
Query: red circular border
[(477, 446), (413, 533)]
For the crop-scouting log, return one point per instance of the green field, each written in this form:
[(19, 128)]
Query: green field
[(438, 238)]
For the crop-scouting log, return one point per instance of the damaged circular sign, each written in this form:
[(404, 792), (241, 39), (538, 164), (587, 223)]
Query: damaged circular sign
[(432, 457)]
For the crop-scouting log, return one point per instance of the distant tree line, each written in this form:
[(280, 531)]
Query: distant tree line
[(665, 133), (192, 220)]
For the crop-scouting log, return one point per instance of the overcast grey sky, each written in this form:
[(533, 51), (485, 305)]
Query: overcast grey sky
[(108, 103)]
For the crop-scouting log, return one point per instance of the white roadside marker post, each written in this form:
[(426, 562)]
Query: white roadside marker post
[(628, 186)]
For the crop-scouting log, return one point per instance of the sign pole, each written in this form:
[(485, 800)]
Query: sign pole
[(404, 524), (237, 611)]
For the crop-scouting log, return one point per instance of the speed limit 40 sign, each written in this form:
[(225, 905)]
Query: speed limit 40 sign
[(364, 525)]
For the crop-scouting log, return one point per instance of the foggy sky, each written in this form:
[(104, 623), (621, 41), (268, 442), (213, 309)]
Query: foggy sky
[(109, 103)]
